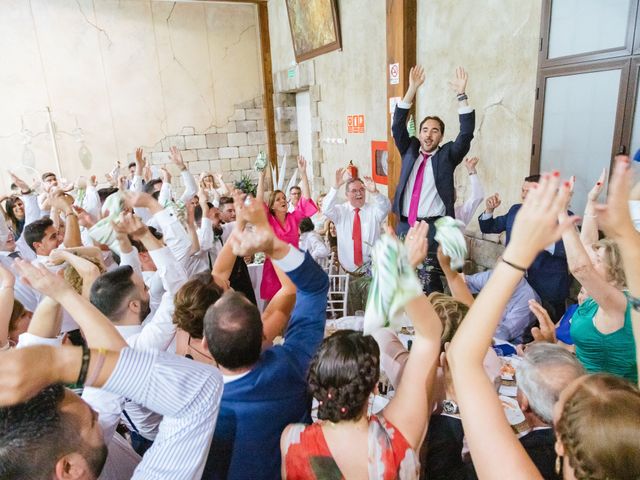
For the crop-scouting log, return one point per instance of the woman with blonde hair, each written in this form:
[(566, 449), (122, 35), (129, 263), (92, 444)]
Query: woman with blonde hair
[(601, 326), (596, 418)]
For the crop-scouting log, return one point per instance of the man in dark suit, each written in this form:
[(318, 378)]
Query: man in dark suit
[(549, 273), (425, 189)]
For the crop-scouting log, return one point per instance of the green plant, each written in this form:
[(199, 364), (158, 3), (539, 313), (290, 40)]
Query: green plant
[(246, 185)]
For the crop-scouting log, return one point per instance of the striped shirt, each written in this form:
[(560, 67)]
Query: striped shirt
[(186, 393)]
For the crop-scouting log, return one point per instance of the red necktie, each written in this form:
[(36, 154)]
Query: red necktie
[(357, 238), (417, 189)]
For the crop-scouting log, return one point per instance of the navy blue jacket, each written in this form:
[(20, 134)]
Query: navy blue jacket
[(444, 161), (256, 408), (549, 274)]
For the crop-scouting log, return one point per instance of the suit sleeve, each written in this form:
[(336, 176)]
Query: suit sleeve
[(306, 326), (462, 143), (399, 129), (493, 224)]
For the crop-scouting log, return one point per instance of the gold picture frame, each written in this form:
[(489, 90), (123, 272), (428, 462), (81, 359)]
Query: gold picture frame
[(314, 26)]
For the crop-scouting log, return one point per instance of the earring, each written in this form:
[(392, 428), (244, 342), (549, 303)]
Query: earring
[(558, 465)]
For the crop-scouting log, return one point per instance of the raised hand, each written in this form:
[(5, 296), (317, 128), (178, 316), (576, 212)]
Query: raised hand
[(131, 225), (470, 164), (247, 243), (93, 181), (138, 199), (84, 218), (594, 193), (302, 165), (614, 216), (370, 185), (140, 160), (41, 279), (176, 158), (21, 184), (459, 83), (537, 223), (444, 260), (492, 203), (416, 76), (166, 176), (340, 177), (416, 243), (253, 212), (547, 330)]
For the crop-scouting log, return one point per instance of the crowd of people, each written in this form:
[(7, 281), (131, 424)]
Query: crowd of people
[(134, 344)]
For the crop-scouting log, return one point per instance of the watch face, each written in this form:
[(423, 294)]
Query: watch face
[(450, 407)]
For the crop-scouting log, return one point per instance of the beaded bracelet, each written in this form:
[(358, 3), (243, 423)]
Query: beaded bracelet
[(86, 357)]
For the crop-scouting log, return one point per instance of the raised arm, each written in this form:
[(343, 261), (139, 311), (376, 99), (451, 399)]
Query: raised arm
[(615, 219), (381, 203), (589, 231), (607, 296), (457, 285), (410, 408), (399, 126), (486, 427), (7, 283), (260, 190), (72, 237), (98, 329), (304, 180), (330, 206)]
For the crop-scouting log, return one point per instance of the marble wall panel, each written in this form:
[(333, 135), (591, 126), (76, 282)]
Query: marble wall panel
[(128, 73)]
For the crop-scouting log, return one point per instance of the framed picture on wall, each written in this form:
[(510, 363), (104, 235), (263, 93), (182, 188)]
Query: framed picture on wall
[(379, 162), (315, 28)]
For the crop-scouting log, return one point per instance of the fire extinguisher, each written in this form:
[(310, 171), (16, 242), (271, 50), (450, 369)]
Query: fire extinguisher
[(352, 170)]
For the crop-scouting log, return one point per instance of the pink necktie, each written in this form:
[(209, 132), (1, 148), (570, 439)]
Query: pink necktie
[(417, 189)]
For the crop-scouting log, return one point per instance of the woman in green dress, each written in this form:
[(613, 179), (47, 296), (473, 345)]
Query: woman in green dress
[(601, 326)]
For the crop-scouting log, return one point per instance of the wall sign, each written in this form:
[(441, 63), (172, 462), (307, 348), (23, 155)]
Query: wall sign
[(394, 73), (355, 123)]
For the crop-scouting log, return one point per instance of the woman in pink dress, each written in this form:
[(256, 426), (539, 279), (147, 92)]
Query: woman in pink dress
[(284, 223)]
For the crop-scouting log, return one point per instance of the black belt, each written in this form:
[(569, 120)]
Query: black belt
[(425, 219)]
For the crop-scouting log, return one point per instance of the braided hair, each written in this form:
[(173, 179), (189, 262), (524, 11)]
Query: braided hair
[(343, 373), (600, 428)]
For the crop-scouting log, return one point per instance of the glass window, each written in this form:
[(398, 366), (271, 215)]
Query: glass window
[(583, 26), (578, 128)]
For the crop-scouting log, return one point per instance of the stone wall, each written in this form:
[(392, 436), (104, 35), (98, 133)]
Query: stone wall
[(231, 149)]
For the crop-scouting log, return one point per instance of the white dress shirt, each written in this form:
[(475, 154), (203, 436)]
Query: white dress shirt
[(313, 243), (465, 212), (372, 214), (186, 393), (430, 204), (155, 333)]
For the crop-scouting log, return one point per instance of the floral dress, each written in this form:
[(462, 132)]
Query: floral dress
[(306, 454), (288, 233)]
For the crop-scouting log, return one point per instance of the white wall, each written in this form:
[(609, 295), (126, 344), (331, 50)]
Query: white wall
[(130, 72)]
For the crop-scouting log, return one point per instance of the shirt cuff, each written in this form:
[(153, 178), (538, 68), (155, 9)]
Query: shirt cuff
[(290, 261), (486, 216), (28, 340), (404, 105), (463, 110), (129, 257)]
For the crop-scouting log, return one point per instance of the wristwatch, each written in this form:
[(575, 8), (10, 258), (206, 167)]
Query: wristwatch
[(450, 407)]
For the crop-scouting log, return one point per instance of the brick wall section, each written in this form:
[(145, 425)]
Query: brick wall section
[(230, 149)]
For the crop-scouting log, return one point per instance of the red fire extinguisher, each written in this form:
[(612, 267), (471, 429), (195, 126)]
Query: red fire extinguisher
[(352, 170)]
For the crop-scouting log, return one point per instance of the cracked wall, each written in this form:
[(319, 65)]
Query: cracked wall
[(127, 73)]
